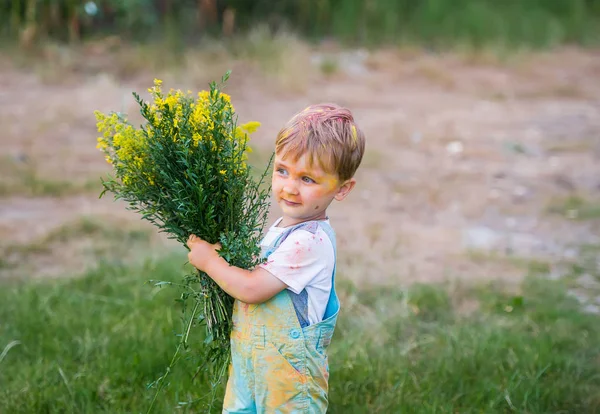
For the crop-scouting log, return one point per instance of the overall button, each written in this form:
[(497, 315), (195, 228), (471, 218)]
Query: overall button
[(295, 334)]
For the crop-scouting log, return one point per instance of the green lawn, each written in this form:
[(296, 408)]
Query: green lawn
[(93, 344)]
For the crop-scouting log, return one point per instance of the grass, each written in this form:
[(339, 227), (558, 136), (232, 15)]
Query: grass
[(536, 23), (329, 66), (523, 263), (93, 344), (575, 208), (281, 57)]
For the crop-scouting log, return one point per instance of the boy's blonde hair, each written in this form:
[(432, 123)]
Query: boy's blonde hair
[(326, 133)]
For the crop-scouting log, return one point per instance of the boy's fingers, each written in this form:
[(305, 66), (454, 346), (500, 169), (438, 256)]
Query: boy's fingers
[(195, 239), (190, 240)]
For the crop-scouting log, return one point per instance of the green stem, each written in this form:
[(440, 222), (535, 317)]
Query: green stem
[(183, 342)]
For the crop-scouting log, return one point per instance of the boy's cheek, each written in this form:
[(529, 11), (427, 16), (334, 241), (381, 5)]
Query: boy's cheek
[(330, 183), (275, 185), (321, 191)]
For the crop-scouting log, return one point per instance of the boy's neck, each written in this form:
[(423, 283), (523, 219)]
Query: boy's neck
[(289, 222)]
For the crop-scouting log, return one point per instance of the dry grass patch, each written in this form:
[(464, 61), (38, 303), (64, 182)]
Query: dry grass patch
[(552, 89), (575, 207), (373, 158), (75, 247), (436, 73), (25, 178), (281, 58), (570, 145)]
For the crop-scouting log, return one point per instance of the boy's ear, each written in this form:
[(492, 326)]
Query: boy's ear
[(345, 189)]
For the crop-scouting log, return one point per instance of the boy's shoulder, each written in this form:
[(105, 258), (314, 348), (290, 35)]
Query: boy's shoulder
[(312, 227), (309, 234), (305, 247)]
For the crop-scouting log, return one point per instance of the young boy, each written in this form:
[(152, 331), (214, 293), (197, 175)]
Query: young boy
[(286, 309)]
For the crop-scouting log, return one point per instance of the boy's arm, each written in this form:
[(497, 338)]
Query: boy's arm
[(249, 286)]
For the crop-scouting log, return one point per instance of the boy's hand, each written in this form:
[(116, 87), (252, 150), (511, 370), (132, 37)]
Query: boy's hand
[(201, 252), (254, 286)]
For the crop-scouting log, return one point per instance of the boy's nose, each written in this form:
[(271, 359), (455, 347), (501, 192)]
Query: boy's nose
[(290, 188)]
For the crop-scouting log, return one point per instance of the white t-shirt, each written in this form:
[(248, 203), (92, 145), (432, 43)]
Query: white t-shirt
[(303, 261)]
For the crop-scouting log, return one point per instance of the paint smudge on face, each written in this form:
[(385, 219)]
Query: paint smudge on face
[(330, 183)]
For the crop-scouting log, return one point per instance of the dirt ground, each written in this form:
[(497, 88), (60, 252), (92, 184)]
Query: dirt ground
[(474, 166)]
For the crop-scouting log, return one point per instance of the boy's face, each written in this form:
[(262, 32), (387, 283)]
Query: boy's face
[(304, 191)]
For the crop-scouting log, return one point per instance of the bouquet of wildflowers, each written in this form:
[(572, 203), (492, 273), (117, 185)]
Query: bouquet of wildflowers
[(185, 170)]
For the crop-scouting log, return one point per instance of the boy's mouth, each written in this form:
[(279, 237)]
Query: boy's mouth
[(290, 203)]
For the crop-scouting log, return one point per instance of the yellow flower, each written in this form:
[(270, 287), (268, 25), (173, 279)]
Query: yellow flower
[(126, 147), (171, 100), (250, 127), (196, 137), (102, 144), (130, 145)]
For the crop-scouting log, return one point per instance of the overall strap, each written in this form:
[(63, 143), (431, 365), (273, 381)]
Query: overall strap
[(333, 304)]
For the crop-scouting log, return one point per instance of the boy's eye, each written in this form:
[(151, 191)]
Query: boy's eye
[(307, 179), (281, 171)]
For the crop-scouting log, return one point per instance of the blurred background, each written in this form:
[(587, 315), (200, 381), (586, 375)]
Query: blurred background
[(469, 262)]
